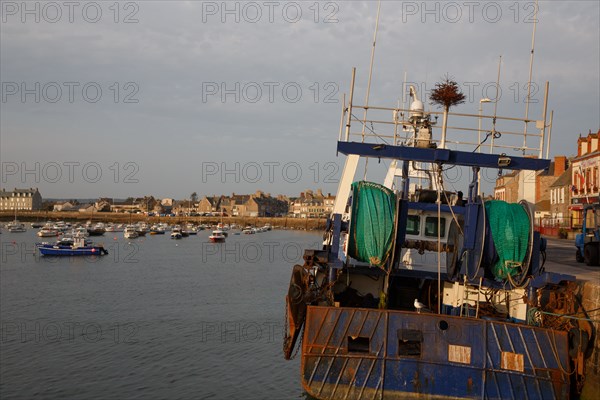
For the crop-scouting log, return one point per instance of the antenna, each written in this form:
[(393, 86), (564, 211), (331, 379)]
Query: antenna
[(496, 106), (530, 73), (549, 133), (371, 70)]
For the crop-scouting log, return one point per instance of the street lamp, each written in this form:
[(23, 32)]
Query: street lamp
[(484, 100)]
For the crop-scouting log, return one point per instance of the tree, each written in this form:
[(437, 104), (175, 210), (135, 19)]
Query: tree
[(446, 94), (194, 197)]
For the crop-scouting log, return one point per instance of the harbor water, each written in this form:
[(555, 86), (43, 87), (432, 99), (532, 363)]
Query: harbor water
[(156, 318)]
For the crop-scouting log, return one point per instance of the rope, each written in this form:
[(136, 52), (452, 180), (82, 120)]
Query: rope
[(451, 210), (523, 285), (571, 316), (556, 356)]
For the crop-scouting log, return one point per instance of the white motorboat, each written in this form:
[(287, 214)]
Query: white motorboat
[(217, 237), (130, 232)]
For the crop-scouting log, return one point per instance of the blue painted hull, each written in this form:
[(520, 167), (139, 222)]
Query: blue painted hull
[(354, 353), (54, 250)]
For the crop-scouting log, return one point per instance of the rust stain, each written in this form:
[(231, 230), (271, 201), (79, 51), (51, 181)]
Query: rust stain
[(558, 383), (512, 361), (459, 354), (416, 382), (348, 373), (470, 385)]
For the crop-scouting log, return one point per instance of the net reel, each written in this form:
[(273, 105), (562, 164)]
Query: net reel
[(492, 241)]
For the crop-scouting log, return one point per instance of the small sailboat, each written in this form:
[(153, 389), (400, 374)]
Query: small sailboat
[(16, 226)]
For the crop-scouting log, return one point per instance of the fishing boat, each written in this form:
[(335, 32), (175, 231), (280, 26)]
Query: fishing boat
[(479, 317), (75, 246), (217, 236)]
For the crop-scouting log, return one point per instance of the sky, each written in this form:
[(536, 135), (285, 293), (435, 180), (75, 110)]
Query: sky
[(166, 98)]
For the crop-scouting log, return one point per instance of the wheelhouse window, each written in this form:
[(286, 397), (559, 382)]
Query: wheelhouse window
[(413, 225), (431, 226)]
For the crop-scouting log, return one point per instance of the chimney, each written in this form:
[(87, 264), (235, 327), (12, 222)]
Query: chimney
[(560, 165)]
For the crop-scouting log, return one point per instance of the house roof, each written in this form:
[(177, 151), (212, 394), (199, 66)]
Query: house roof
[(564, 179), (549, 171), (543, 205), (5, 193), (240, 198)]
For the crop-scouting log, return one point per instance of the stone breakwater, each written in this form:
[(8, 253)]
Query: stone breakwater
[(279, 222)]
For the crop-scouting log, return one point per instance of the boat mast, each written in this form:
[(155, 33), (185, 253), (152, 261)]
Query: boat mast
[(371, 71), (530, 74), (496, 106)]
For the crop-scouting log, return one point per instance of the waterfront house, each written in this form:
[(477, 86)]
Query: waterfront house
[(585, 175), (20, 199), (311, 205)]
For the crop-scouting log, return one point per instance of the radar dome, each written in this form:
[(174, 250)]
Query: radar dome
[(416, 108)]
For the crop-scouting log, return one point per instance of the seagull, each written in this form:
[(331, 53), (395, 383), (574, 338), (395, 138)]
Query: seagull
[(419, 305)]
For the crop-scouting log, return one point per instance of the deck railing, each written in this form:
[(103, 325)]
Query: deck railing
[(492, 134)]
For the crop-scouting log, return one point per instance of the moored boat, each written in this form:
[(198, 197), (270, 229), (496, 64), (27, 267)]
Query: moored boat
[(76, 246), (217, 236), (157, 230), (479, 319), (97, 230), (47, 232), (130, 232), (16, 227)]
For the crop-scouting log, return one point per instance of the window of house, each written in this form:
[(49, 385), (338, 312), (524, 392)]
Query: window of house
[(588, 180)]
